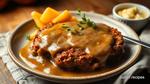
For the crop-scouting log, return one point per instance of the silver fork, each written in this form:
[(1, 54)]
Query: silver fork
[(144, 44)]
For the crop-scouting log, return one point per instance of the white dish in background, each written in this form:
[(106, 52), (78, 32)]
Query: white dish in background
[(136, 24), (17, 41)]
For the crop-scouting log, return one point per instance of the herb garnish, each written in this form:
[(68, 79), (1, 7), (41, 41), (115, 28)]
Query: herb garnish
[(70, 29), (28, 37), (80, 26), (35, 26), (86, 20), (84, 23), (65, 26)]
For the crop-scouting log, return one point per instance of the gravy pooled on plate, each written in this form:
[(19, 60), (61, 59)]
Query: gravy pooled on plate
[(66, 44)]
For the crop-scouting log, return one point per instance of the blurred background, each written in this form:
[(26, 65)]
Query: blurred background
[(13, 12)]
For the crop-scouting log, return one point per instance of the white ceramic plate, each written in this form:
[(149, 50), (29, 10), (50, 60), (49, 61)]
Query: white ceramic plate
[(17, 41)]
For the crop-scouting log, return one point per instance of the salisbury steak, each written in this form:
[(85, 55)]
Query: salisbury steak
[(86, 51), (78, 59)]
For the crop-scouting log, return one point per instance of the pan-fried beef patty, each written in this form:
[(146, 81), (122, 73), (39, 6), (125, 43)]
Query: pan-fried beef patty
[(78, 59), (75, 58)]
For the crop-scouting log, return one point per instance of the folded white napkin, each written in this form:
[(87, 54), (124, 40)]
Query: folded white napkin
[(23, 77), (143, 63)]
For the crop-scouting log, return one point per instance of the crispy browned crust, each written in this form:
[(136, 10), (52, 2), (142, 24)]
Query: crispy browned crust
[(77, 59), (118, 41)]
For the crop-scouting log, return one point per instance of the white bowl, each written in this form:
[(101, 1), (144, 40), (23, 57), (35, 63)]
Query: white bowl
[(137, 25)]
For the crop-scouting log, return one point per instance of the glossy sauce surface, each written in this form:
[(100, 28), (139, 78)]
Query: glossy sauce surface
[(48, 67), (96, 42)]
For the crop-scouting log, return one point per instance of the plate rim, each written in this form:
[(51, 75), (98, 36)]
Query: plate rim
[(128, 64)]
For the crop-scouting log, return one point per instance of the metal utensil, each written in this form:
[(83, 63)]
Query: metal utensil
[(144, 44)]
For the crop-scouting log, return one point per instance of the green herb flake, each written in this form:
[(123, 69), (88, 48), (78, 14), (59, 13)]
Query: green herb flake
[(68, 29), (65, 26), (35, 26), (82, 22), (86, 20), (28, 37), (79, 25), (79, 11)]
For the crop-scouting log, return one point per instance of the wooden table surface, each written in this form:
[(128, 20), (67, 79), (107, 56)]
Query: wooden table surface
[(11, 18)]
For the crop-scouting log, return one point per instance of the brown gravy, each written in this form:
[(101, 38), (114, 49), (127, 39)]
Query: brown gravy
[(49, 68), (98, 42)]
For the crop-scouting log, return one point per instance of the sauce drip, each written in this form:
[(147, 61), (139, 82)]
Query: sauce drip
[(48, 67), (96, 42)]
